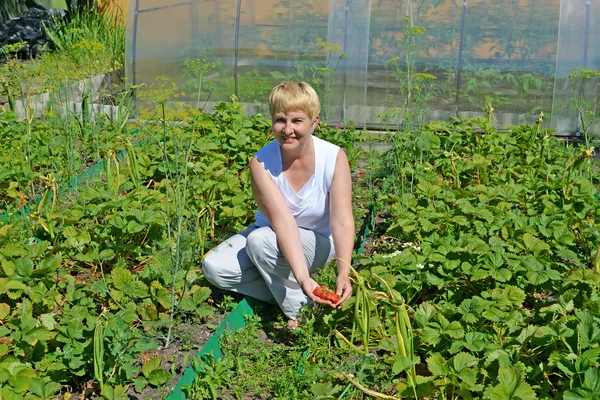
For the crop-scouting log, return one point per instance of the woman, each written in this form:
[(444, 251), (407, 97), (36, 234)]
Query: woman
[(303, 190)]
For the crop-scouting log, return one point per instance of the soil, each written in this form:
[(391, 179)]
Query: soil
[(189, 340), (376, 237), (273, 331), (178, 356)]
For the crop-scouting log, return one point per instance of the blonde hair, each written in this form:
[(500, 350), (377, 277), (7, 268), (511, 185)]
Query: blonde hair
[(294, 96)]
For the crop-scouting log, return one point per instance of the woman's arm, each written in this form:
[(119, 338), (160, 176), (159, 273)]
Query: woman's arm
[(273, 206), (342, 223)]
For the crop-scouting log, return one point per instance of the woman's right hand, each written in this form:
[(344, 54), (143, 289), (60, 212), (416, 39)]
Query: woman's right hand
[(308, 286)]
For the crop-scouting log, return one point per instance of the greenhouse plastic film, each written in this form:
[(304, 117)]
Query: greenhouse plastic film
[(578, 37), (508, 59), (418, 59), (345, 94)]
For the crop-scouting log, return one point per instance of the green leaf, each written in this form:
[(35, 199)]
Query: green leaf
[(122, 278), (13, 250), (36, 386), (138, 290), (562, 234), (48, 321), (501, 275), (454, 330), (152, 365), (495, 260), (568, 255), (537, 277), (140, 383), (4, 311), (158, 377), (464, 360), (24, 267), (135, 227), (39, 333), (106, 255), (321, 390), (402, 364), (201, 294), (437, 365), (460, 220), (511, 386), (43, 390), (76, 239), (8, 267), (471, 309), (526, 333), (468, 376), (534, 245), (592, 380), (9, 394), (116, 393), (20, 380), (37, 249), (579, 394)]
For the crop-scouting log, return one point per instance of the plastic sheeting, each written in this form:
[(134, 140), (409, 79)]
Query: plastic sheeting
[(579, 35), (373, 62), (31, 30)]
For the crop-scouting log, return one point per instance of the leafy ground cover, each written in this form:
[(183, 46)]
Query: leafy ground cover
[(96, 286), (481, 283), (86, 44), (100, 288), (46, 153)]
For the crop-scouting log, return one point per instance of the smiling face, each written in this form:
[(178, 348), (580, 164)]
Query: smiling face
[(293, 129)]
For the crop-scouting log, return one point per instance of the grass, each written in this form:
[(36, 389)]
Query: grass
[(88, 44)]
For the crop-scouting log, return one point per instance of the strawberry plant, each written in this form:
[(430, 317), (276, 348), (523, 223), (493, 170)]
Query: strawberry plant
[(491, 241)]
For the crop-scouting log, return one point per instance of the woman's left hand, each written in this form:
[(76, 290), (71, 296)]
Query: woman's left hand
[(344, 288)]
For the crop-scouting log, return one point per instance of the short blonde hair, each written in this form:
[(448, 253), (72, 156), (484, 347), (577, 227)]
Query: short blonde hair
[(294, 96)]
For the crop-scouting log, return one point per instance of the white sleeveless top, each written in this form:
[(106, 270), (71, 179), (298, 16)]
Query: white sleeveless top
[(310, 205)]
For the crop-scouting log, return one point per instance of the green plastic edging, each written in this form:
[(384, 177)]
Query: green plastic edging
[(84, 176), (91, 172), (366, 229), (234, 321)]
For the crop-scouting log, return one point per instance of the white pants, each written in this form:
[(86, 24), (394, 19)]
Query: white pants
[(251, 263)]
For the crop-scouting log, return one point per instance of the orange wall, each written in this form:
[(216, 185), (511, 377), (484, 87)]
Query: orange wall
[(118, 6)]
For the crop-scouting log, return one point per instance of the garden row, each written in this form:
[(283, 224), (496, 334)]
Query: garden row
[(94, 281), (481, 281)]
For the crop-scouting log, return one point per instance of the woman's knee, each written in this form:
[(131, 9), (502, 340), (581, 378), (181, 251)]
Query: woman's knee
[(214, 271), (260, 244)]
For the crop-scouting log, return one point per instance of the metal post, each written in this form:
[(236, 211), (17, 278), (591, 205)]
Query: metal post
[(586, 33), (194, 17), (134, 40), (344, 49), (460, 50), (236, 50)]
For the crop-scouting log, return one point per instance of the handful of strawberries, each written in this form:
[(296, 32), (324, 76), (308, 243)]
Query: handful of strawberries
[(326, 294)]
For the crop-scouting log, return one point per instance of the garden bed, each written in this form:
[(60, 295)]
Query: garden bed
[(481, 279), (93, 93), (481, 266)]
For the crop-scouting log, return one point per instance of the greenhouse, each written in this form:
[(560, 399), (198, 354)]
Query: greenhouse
[(438, 58), (282, 199)]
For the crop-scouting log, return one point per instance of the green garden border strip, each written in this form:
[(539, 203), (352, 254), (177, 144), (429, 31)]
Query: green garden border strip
[(83, 177), (236, 320), (90, 173), (366, 229)]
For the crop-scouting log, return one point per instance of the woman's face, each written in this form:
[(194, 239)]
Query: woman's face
[(293, 129)]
